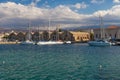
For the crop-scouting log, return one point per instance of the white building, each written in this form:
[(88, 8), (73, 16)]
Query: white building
[(1, 36), (110, 32)]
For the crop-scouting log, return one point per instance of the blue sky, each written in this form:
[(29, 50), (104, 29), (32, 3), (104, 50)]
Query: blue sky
[(91, 6), (68, 13)]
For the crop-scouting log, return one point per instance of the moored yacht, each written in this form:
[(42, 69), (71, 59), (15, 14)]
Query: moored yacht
[(28, 38), (49, 42), (67, 42), (99, 43), (27, 42), (102, 42)]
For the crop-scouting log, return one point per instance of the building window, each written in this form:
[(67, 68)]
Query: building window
[(99, 35), (110, 35), (115, 35), (78, 38), (96, 35), (87, 36), (105, 35)]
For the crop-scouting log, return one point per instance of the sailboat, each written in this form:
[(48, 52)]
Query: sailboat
[(102, 42), (67, 41), (28, 38), (50, 42)]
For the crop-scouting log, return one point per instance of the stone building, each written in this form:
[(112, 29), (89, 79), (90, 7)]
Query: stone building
[(81, 36), (67, 36), (75, 36), (55, 35), (1, 36)]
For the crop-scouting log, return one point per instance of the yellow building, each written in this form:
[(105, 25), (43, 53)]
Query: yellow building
[(81, 36), (75, 36), (1, 36)]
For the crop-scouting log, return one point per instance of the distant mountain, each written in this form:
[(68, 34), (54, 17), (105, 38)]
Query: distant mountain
[(88, 27)]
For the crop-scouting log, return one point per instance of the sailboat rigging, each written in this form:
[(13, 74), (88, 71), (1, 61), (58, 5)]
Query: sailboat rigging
[(28, 37), (102, 41), (49, 42)]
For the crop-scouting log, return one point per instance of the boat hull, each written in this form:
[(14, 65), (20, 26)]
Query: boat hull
[(67, 42), (27, 42), (49, 42), (96, 43)]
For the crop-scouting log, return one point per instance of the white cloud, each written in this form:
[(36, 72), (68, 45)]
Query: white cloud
[(80, 5), (114, 11), (116, 1), (11, 9), (34, 3), (46, 5), (110, 16), (62, 11), (97, 1), (19, 15)]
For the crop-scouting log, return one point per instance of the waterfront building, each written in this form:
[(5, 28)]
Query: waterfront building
[(75, 36), (67, 36), (36, 36), (1, 36), (81, 36), (20, 36), (111, 32), (55, 36), (45, 36)]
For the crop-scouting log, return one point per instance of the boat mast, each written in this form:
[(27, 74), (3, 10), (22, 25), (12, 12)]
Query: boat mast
[(29, 25), (49, 29), (39, 33), (29, 32), (101, 27), (57, 30)]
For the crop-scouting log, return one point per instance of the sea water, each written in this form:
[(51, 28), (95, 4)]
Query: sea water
[(59, 62)]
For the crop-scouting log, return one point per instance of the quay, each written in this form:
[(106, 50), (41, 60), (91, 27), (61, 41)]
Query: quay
[(9, 42)]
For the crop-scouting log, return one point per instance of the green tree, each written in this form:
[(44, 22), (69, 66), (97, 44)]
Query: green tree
[(91, 36)]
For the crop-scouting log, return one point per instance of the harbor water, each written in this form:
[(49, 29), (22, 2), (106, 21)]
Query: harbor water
[(59, 62)]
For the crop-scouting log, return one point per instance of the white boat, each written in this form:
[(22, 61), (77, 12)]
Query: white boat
[(68, 42), (27, 42), (49, 42), (102, 42), (28, 38)]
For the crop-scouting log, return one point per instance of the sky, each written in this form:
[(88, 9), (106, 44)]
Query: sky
[(54, 13)]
